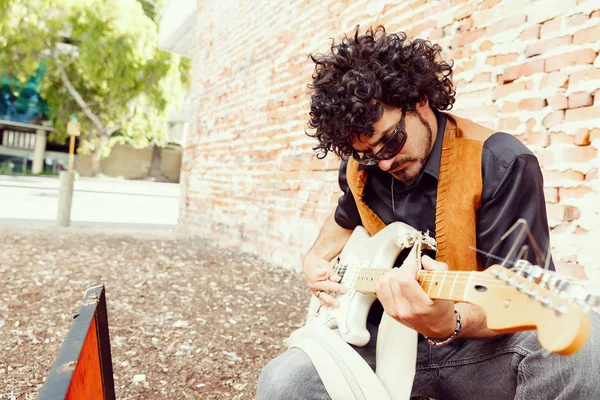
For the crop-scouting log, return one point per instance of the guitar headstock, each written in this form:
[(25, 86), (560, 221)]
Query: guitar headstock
[(529, 297)]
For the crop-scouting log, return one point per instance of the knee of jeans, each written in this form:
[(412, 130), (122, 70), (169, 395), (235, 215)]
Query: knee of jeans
[(285, 376)]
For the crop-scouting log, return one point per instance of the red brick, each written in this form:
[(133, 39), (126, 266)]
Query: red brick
[(577, 19), (594, 134), (506, 58), (582, 113), (508, 89), (543, 46), (545, 157), (551, 176), (573, 192), (556, 79), (549, 27), (532, 33), (595, 14), (587, 74), (557, 102), (551, 195), (537, 139), (508, 124), (572, 270), (465, 10), (588, 35), (513, 73), (489, 4), (572, 213), (591, 174), (535, 104), (583, 56), (506, 24), (579, 154), (486, 45), (553, 119), (484, 77), (562, 138), (580, 99), (509, 107), (462, 39)]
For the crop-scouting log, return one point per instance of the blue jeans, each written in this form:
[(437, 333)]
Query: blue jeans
[(504, 367)]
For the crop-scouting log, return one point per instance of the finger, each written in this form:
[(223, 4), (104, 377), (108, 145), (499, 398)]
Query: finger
[(391, 299), (329, 286), (328, 300), (405, 283), (432, 265)]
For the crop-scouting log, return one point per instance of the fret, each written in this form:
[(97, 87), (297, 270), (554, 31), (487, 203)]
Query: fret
[(453, 285), (441, 285), (431, 284)]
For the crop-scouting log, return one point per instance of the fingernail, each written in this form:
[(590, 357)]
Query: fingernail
[(344, 290), (337, 278)]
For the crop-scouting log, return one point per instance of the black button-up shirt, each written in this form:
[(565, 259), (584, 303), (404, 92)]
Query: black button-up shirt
[(512, 189)]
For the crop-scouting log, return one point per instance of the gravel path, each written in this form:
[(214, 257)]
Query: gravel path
[(186, 319)]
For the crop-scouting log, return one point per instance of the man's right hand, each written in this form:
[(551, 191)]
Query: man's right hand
[(322, 281)]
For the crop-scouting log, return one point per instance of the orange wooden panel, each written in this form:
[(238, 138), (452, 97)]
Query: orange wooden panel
[(86, 383)]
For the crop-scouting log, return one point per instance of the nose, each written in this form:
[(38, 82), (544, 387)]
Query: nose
[(385, 165)]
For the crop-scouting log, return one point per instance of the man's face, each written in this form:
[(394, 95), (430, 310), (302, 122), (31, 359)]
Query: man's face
[(408, 164)]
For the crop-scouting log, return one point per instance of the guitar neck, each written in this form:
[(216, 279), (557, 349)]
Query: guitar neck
[(447, 285)]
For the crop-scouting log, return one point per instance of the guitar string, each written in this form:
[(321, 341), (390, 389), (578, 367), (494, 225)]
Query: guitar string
[(452, 276)]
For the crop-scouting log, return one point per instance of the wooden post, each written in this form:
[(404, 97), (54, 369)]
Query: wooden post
[(73, 129)]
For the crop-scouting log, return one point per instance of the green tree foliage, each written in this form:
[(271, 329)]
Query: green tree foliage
[(103, 65)]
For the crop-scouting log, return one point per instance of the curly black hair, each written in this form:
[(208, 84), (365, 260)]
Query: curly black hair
[(360, 75)]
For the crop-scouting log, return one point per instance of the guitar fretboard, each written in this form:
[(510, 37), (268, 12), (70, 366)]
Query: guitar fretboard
[(449, 285)]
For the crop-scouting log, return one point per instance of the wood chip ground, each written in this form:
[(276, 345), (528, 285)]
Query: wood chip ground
[(188, 320)]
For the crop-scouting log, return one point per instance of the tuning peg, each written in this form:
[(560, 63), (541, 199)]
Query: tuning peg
[(592, 301), (548, 280), (560, 285), (575, 292), (535, 272), (523, 267)]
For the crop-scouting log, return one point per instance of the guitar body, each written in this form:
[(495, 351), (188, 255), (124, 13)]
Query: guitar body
[(360, 252)]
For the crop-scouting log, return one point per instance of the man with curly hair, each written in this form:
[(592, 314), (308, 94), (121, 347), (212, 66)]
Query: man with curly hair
[(378, 102)]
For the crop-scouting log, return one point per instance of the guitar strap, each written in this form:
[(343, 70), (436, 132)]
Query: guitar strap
[(345, 374)]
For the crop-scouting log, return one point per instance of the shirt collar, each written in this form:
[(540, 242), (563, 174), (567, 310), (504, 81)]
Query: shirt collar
[(432, 167), (433, 163)]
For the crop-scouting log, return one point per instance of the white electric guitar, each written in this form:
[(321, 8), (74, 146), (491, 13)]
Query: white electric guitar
[(526, 297)]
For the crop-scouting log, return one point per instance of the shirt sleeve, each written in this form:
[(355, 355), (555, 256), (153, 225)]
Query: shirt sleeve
[(513, 189), (346, 214)]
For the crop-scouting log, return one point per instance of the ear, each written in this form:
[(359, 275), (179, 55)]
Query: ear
[(423, 102)]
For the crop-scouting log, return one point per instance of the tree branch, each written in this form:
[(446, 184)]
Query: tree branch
[(78, 99), (113, 130)]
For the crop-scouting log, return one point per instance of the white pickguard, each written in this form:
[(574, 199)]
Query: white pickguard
[(361, 251)]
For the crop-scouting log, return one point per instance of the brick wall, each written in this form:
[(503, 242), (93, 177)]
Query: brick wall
[(527, 67)]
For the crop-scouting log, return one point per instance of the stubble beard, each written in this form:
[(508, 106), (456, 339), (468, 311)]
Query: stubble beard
[(406, 175)]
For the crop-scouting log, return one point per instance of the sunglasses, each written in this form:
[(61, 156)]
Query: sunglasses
[(390, 148)]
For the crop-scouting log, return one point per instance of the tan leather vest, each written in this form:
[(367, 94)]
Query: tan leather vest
[(458, 194)]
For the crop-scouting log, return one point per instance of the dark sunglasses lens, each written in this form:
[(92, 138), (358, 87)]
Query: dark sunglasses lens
[(362, 159), (393, 147)]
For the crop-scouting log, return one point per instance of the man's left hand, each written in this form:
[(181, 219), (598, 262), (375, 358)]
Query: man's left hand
[(404, 299)]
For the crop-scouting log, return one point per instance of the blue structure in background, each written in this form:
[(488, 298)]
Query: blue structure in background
[(23, 103)]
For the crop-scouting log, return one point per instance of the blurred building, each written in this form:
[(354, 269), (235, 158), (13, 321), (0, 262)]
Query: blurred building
[(23, 130)]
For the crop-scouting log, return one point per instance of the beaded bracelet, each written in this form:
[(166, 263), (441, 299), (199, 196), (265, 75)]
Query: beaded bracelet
[(454, 334)]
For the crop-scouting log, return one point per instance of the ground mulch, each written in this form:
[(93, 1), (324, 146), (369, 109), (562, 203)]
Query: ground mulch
[(187, 319)]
